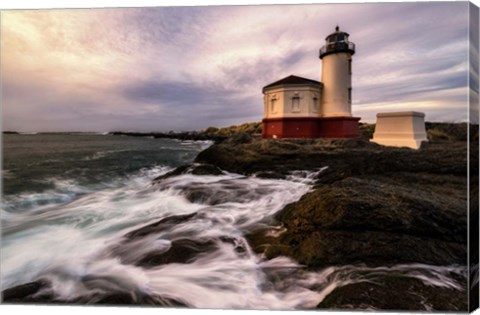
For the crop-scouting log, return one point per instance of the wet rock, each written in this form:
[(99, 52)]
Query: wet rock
[(181, 251), (160, 226), (346, 157), (377, 221), (204, 194), (260, 240), (195, 169), (28, 292), (222, 192), (270, 175), (325, 248), (177, 171), (431, 207), (128, 298), (395, 294), (373, 204), (40, 292)]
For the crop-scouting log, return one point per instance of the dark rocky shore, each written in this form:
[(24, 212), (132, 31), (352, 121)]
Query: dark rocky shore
[(370, 206)]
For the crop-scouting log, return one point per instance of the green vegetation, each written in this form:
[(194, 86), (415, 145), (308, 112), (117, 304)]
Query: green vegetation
[(246, 128), (446, 131), (245, 132), (367, 130)]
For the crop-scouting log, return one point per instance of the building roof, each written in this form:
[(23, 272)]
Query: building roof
[(292, 80)]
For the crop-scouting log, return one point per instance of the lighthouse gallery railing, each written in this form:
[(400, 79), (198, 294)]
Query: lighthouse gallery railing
[(339, 46)]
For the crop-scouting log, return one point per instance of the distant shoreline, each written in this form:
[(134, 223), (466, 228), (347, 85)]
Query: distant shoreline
[(435, 131)]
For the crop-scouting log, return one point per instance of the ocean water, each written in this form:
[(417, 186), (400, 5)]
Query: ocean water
[(69, 200)]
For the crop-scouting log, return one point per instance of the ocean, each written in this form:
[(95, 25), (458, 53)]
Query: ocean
[(71, 200)]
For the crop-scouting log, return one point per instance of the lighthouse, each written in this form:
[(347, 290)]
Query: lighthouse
[(296, 107), (336, 58)]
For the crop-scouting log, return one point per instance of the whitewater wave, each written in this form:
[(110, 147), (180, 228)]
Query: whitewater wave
[(103, 240), (101, 154)]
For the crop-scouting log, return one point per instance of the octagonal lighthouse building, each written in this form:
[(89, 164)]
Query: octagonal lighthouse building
[(296, 107)]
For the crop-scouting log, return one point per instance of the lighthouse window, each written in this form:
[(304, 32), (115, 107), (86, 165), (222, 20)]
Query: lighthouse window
[(349, 66), (336, 38), (295, 104), (315, 104), (349, 94), (272, 105)]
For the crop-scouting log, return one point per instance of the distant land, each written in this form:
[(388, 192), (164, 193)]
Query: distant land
[(435, 131)]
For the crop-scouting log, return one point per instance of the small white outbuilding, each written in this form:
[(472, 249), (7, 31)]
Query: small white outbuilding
[(400, 129)]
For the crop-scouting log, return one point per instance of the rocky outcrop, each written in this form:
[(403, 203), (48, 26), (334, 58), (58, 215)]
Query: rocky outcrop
[(395, 294), (40, 292), (373, 205), (195, 169), (349, 157), (377, 221)]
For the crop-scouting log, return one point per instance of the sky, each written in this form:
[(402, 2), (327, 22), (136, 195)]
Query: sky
[(188, 68)]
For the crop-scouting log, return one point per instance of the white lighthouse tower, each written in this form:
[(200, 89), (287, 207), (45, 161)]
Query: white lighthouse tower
[(336, 58), (296, 107)]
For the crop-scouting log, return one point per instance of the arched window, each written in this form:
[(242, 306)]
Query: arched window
[(273, 101), (296, 103), (315, 103)]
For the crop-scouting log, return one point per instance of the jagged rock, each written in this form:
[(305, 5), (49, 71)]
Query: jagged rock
[(27, 292), (346, 157), (39, 292), (159, 226), (395, 294), (377, 221), (195, 169), (181, 251)]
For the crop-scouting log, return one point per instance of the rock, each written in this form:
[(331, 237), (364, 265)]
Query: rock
[(177, 171), (325, 248), (26, 292), (159, 226), (229, 191), (401, 221), (205, 169), (125, 298), (431, 207), (195, 169), (40, 292), (181, 251), (185, 250), (395, 294), (270, 175), (203, 194), (347, 157), (373, 204)]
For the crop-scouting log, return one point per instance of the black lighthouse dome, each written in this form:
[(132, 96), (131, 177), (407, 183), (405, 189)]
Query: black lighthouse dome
[(337, 42)]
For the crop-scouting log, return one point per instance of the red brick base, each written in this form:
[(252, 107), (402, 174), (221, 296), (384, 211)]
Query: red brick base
[(311, 127)]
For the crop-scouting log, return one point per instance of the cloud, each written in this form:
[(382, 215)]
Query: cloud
[(184, 68)]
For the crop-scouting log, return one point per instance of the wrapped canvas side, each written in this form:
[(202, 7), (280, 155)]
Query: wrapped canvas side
[(473, 157)]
